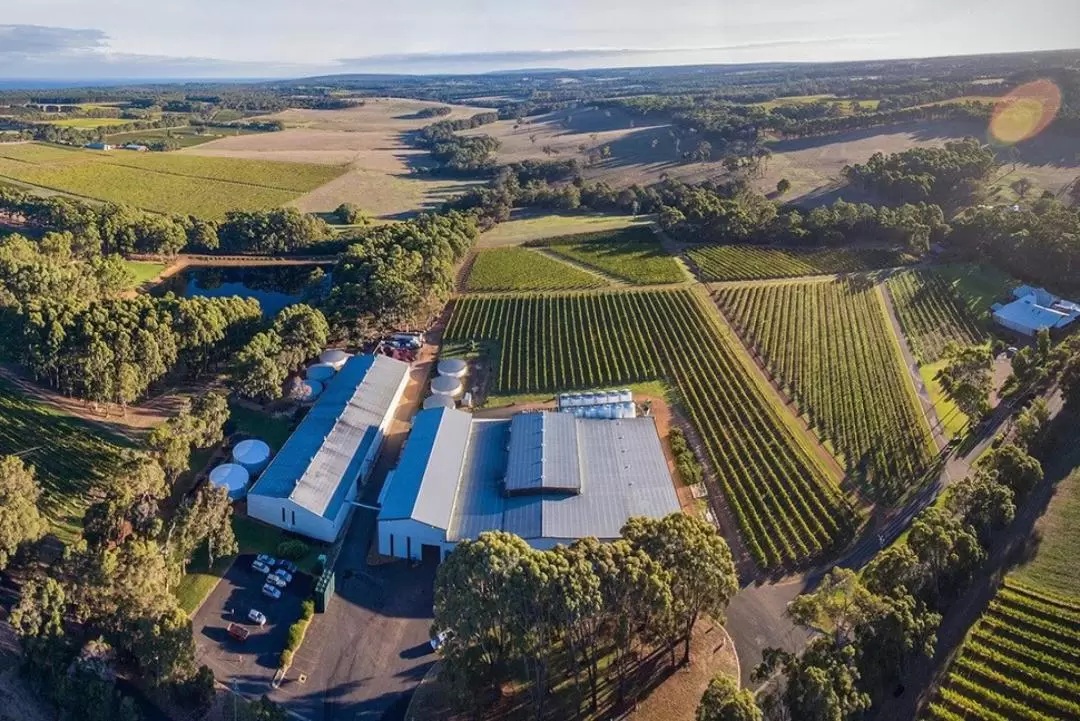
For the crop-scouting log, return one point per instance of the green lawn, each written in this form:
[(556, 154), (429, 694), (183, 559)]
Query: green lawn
[(520, 269), (1054, 566), (144, 272), (952, 418), (631, 254), (253, 537), (71, 456), (275, 431), (979, 286)]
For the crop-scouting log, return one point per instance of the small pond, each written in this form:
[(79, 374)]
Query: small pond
[(275, 287)]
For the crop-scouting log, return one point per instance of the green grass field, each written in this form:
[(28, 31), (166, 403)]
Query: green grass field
[(787, 507), (952, 418), (977, 286), (501, 269), (630, 254), (87, 123), (144, 272), (168, 183), (1054, 566), (751, 262), (524, 228), (71, 457), (184, 136), (830, 346)]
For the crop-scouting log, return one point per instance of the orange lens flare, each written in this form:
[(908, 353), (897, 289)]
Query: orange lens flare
[(1024, 112)]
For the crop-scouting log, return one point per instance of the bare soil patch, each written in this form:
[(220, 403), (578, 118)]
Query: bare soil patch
[(371, 140)]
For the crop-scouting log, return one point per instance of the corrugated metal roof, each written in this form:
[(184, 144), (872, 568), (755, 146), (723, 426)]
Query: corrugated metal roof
[(543, 454), (323, 455), (425, 481), (1027, 316), (479, 503)]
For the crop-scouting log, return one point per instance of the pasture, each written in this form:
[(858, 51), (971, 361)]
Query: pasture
[(525, 227), (87, 123), (71, 457), (502, 269), (369, 143), (167, 183), (185, 136), (632, 255), (830, 346), (788, 509), (931, 314), (752, 262)]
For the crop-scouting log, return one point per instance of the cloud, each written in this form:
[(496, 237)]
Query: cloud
[(39, 40)]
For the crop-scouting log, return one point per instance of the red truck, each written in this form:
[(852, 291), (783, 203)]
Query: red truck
[(238, 632)]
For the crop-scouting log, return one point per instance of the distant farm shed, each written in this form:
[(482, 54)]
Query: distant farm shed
[(309, 486)]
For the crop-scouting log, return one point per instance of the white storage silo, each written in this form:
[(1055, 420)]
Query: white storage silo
[(453, 367), (321, 372), (437, 401), (252, 454), (232, 477), (626, 396), (334, 357), (446, 386)]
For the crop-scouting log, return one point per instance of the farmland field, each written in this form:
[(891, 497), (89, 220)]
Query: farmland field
[(523, 227), (168, 183), (633, 255), (931, 314), (522, 269), (87, 123), (71, 457), (184, 136), (751, 262), (787, 508), (831, 347), (977, 286)]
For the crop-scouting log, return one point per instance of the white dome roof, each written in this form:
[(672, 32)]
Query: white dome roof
[(231, 476), (251, 452), (453, 367), (446, 386), (321, 372), (437, 401)]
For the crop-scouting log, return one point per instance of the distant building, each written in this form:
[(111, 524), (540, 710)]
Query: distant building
[(1035, 309), (309, 486), (98, 146), (136, 147), (548, 477)]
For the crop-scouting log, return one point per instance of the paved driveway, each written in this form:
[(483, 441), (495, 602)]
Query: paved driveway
[(248, 666)]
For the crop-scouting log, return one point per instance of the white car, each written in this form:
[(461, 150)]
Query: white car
[(267, 559), (256, 617), (275, 580), (271, 591), (260, 567), (284, 575)]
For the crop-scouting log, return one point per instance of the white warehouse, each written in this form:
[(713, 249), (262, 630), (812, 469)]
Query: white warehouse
[(309, 486)]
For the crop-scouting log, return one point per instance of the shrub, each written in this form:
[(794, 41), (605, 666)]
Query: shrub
[(307, 610), (292, 549), (286, 659)]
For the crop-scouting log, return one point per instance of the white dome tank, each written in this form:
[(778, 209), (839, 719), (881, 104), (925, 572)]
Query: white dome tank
[(334, 357), (321, 372), (453, 367), (437, 401), (446, 386), (252, 454), (232, 477)]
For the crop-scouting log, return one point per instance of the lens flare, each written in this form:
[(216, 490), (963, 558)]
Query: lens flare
[(1024, 112)]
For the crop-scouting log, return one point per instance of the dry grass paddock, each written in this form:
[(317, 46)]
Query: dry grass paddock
[(369, 139)]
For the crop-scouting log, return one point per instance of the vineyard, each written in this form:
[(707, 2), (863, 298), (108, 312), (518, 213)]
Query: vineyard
[(522, 269), (787, 509), (632, 254), (749, 262), (1020, 661), (931, 314), (830, 346)]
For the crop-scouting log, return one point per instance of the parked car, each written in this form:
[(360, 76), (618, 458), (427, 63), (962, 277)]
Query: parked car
[(238, 632), (272, 579), (289, 566), (439, 639), (260, 567), (271, 591), (284, 575), (267, 559), (256, 617)]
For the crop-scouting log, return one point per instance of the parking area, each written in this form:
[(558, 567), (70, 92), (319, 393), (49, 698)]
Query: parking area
[(248, 666)]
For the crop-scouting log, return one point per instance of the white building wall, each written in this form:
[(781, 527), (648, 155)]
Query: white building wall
[(409, 536), (285, 514)]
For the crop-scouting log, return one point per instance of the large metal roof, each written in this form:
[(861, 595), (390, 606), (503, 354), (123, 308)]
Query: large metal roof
[(423, 485), (323, 455), (543, 454)]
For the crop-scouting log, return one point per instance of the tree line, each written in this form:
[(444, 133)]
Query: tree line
[(547, 618), (459, 153), (947, 175)]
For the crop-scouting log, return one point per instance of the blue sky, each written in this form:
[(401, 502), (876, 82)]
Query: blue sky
[(73, 39)]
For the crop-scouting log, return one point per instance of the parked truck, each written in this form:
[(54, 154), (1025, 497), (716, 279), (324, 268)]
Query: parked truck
[(238, 632)]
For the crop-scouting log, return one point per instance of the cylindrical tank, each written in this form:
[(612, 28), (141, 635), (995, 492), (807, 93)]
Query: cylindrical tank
[(321, 372), (334, 357), (437, 401), (252, 454), (446, 386), (626, 396), (312, 390), (232, 477), (453, 367)]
